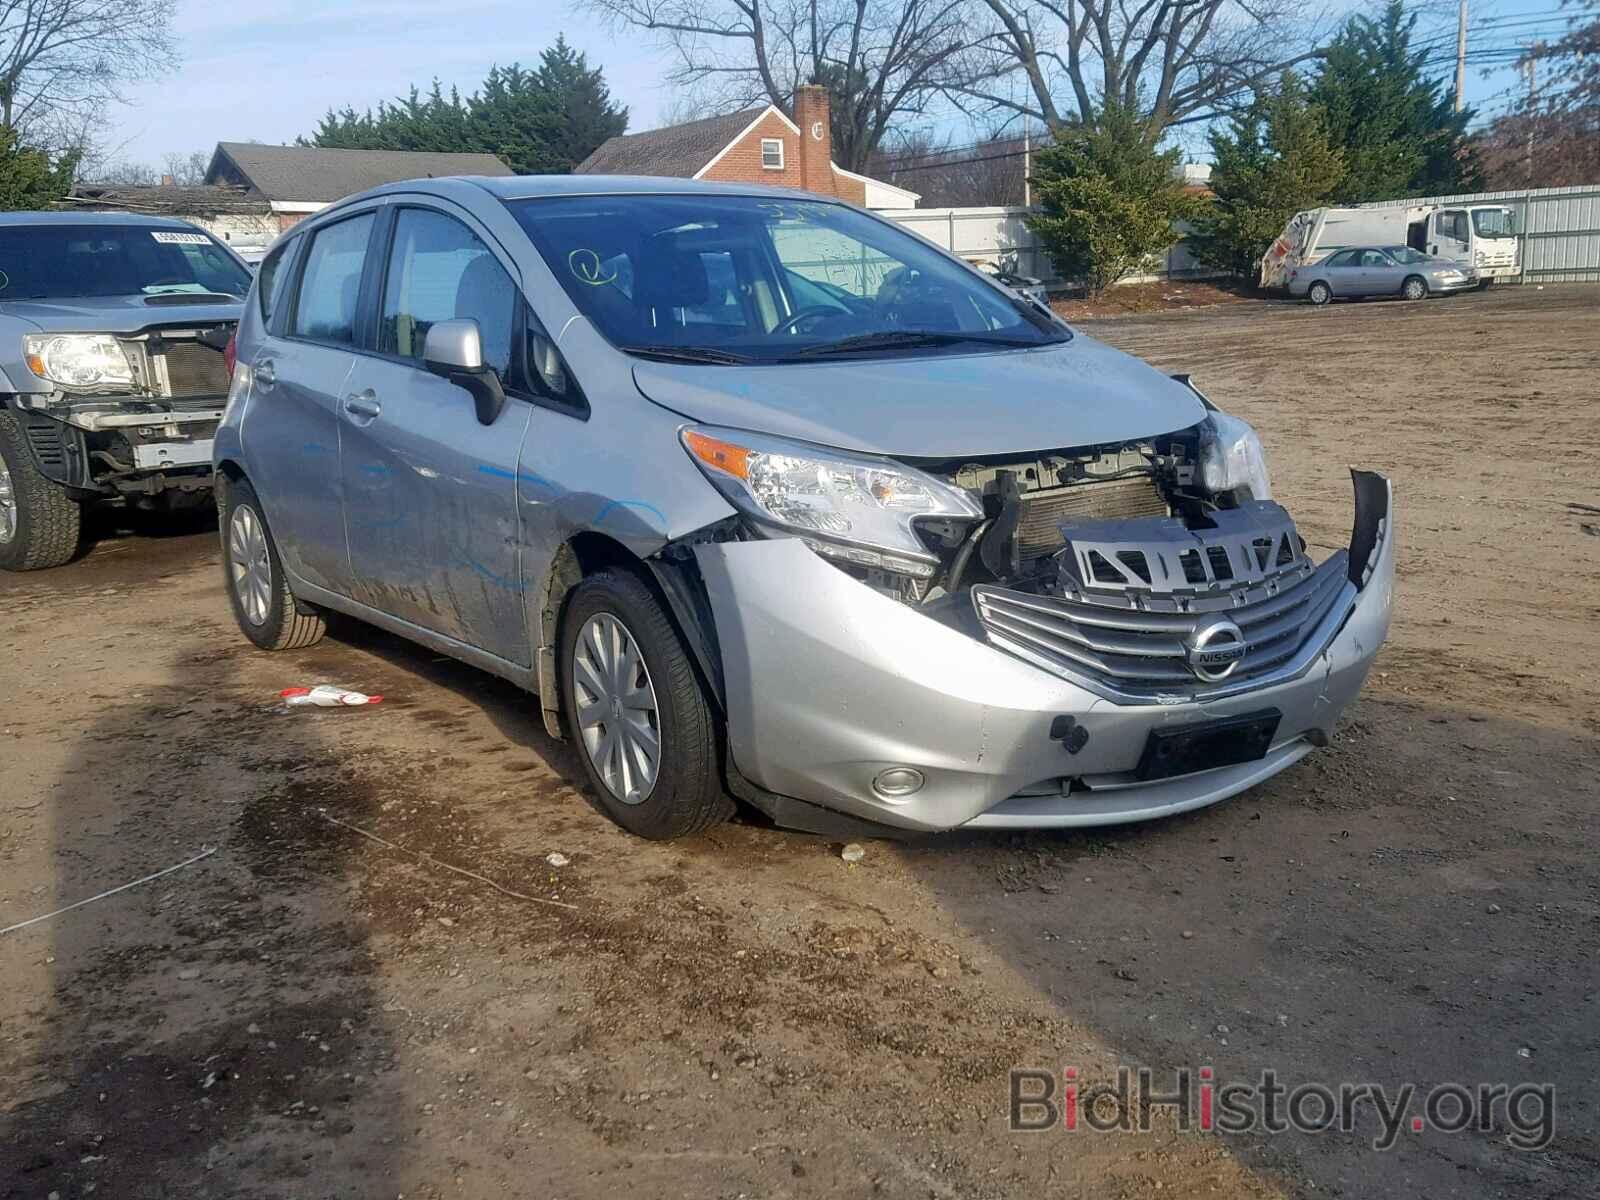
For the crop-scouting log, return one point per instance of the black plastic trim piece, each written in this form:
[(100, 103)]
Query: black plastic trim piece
[(804, 817), (1372, 507), (692, 612)]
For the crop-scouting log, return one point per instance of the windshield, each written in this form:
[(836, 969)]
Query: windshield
[(1494, 222), (1405, 254), (747, 279), (76, 261)]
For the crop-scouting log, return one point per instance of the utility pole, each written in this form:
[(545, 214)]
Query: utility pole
[(1533, 97), (1461, 52), (1027, 166)]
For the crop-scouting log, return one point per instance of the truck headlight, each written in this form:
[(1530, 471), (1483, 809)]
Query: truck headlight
[(855, 508), (1231, 456), (77, 360)]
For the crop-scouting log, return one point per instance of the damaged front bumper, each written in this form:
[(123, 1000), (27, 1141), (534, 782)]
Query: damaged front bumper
[(829, 684)]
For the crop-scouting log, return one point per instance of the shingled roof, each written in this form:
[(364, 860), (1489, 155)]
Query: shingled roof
[(312, 174), (677, 150), (208, 200)]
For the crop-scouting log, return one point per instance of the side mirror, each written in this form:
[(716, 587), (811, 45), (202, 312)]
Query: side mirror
[(454, 351)]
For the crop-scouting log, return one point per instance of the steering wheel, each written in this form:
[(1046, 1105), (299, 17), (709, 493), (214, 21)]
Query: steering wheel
[(811, 311)]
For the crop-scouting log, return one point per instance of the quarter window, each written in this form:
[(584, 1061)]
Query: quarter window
[(331, 282), (272, 278), (440, 271), (772, 153)]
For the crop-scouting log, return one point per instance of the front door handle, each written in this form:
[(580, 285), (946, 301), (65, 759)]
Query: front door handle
[(363, 404)]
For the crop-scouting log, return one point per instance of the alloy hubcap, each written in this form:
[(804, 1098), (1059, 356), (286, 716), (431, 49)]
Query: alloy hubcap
[(249, 565), (8, 504), (616, 703)]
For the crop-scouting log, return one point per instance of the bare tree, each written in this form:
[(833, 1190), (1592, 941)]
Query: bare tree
[(187, 170), (881, 60), (62, 61), (1174, 62)]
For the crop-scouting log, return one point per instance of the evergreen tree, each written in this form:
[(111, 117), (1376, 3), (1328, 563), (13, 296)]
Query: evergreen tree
[(1396, 126), (28, 179), (541, 121), (1272, 161), (1108, 198)]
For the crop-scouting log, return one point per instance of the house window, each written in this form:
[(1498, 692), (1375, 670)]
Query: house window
[(772, 153)]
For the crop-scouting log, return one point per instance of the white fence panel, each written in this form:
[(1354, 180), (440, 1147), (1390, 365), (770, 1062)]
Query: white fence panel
[(1000, 232)]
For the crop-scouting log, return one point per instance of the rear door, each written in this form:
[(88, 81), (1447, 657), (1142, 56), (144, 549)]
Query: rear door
[(291, 434), (430, 493), (1342, 273), (1379, 274)]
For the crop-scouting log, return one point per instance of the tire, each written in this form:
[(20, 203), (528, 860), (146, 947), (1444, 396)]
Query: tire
[(1320, 293), (38, 520), (1414, 288), (252, 575), (685, 794)]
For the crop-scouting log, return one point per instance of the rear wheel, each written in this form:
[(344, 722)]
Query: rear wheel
[(646, 734), (1320, 293), (258, 590), (38, 520), (1414, 288)]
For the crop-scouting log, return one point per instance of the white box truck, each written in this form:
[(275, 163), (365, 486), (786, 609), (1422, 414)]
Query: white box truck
[(1481, 238)]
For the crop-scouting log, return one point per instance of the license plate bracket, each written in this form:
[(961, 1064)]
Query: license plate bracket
[(1224, 742)]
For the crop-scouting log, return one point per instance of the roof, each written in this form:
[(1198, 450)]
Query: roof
[(144, 220), (313, 174), (677, 151), (200, 200)]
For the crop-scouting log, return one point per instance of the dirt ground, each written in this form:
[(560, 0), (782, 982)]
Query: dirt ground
[(308, 1013)]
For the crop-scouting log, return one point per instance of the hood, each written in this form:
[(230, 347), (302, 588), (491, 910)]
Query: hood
[(117, 314), (1077, 393)]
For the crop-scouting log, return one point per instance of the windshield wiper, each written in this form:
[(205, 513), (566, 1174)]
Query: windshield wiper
[(686, 354), (906, 339)]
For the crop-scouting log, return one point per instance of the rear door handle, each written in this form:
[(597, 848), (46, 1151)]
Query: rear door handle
[(363, 404), (265, 375)]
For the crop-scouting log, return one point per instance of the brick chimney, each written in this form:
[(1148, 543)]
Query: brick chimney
[(816, 138)]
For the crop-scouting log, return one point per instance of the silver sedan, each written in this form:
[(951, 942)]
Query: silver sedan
[(1378, 271)]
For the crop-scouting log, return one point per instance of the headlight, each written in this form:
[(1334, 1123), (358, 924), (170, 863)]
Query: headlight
[(77, 360), (1231, 456), (850, 507)]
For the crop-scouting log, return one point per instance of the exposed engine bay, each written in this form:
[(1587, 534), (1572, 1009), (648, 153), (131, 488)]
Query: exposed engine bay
[(142, 437), (1029, 500)]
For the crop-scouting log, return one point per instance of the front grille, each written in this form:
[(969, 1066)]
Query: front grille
[(1136, 649), (1044, 511), (192, 369)]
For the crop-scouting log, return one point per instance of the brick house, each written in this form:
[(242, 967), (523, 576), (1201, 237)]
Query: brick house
[(755, 145)]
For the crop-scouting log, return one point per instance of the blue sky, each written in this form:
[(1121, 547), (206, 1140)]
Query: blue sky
[(268, 69)]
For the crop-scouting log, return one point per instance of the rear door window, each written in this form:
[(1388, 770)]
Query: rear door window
[(330, 285), (439, 270)]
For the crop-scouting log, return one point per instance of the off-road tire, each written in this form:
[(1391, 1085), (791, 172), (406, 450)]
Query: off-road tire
[(289, 624), (1319, 294), (1414, 288), (46, 533), (687, 795)]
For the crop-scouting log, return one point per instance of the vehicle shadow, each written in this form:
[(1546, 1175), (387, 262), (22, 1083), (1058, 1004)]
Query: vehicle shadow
[(106, 525), (220, 1018), (1414, 906)]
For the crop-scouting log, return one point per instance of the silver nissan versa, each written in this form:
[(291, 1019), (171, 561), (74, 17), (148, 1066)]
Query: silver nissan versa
[(766, 498)]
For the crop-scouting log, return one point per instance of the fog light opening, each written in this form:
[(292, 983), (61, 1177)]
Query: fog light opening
[(896, 783)]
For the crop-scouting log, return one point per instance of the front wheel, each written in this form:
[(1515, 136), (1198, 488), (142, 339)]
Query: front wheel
[(1320, 293), (38, 520), (267, 612), (645, 732), (1415, 288)]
